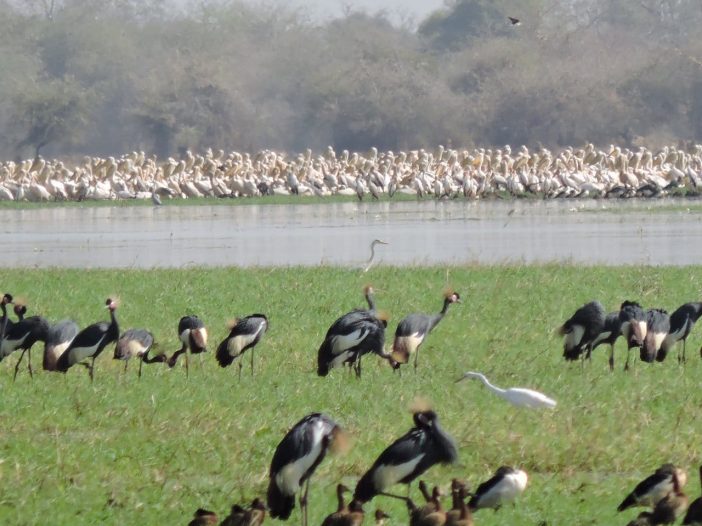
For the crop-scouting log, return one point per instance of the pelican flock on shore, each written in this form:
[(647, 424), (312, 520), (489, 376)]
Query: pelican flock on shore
[(443, 173)]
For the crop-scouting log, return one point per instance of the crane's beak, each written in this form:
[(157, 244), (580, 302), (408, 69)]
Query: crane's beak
[(461, 379)]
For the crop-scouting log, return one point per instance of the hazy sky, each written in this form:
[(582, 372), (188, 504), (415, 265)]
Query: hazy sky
[(397, 9)]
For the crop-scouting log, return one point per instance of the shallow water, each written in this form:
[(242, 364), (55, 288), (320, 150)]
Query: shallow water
[(420, 233)]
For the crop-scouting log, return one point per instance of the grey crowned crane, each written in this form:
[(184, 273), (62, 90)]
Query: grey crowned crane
[(297, 456), (350, 337), (503, 487), (58, 339), (657, 327), (581, 330), (423, 446), (611, 331), (22, 335), (90, 342), (694, 512), (136, 343), (681, 323), (414, 328), (633, 326), (193, 335), (655, 487), (245, 334)]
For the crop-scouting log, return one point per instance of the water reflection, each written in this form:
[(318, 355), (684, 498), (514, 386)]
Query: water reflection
[(425, 232)]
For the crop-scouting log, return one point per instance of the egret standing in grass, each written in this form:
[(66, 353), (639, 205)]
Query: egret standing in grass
[(297, 456), (505, 486), (517, 396), (414, 328), (408, 457), (371, 259)]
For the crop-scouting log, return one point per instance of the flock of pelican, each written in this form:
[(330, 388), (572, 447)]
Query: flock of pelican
[(444, 173)]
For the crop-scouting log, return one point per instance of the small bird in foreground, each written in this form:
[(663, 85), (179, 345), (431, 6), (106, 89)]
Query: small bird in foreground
[(505, 485), (518, 396)]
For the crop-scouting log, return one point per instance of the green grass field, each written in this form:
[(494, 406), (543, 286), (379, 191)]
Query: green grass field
[(124, 451)]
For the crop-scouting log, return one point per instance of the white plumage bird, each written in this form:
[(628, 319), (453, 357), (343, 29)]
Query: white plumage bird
[(518, 396)]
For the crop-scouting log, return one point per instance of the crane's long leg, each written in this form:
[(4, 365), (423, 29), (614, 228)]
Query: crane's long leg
[(240, 366), (91, 368), (416, 358), (141, 363), (29, 362), (252, 358), (628, 354), (683, 355), (126, 363), (187, 368), (611, 358), (303, 502), (18, 364)]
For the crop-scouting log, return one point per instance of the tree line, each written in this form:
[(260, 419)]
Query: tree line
[(102, 77)]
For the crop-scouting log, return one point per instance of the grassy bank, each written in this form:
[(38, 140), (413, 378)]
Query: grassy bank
[(123, 451)]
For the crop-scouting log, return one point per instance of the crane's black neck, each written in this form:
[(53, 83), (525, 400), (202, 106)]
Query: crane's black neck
[(438, 317)]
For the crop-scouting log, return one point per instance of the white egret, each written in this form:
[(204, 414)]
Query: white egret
[(515, 395)]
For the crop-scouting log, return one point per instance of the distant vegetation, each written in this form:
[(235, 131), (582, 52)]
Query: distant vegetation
[(109, 76)]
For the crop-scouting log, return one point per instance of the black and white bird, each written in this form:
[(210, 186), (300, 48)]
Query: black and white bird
[(633, 326), (423, 446), (681, 322), (90, 342), (654, 487), (657, 327), (136, 343), (193, 335), (611, 331), (414, 328), (581, 329), (22, 335), (694, 512), (350, 337), (245, 334), (504, 487), (58, 339), (514, 21), (297, 456)]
